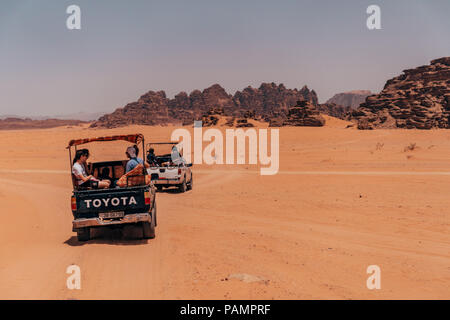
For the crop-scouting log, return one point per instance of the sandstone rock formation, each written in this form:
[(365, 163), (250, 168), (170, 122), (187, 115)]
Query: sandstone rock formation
[(268, 101), (335, 110), (243, 123), (418, 98), (350, 99), (303, 114), (272, 100), (211, 118)]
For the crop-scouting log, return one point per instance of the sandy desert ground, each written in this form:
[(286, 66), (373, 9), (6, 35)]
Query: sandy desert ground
[(343, 200)]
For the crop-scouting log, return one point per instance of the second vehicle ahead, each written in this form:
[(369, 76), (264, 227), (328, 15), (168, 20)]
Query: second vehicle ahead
[(169, 169)]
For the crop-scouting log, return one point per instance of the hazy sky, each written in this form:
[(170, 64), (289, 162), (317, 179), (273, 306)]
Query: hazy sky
[(126, 48)]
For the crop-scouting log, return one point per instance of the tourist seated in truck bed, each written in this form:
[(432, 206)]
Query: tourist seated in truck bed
[(151, 158), (134, 159), (79, 171), (105, 175)]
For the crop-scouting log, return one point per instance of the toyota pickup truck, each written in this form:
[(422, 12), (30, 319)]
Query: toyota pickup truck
[(130, 199), (169, 169)]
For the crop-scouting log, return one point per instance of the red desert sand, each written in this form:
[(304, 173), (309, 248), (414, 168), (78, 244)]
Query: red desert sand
[(343, 200)]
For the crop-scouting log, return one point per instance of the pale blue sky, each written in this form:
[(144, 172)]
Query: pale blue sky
[(126, 48)]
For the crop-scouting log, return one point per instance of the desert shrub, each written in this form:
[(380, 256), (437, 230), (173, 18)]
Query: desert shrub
[(379, 146), (410, 147)]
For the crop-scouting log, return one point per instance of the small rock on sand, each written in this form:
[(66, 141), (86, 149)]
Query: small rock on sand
[(248, 278)]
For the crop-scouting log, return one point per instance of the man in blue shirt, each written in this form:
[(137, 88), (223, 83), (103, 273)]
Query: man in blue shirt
[(134, 160)]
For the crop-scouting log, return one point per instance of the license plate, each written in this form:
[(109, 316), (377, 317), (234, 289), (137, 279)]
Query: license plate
[(111, 215)]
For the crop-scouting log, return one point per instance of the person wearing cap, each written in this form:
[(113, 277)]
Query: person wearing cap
[(134, 160)]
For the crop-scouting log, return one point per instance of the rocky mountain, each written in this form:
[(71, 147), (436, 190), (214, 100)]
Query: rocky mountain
[(350, 99), (266, 102), (81, 116), (418, 98), (20, 123)]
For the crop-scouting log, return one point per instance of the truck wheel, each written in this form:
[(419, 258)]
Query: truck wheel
[(191, 183), (183, 187), (148, 228), (84, 234)]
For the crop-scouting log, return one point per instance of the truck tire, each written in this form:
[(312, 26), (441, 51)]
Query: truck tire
[(148, 228), (191, 183), (84, 234), (183, 187)]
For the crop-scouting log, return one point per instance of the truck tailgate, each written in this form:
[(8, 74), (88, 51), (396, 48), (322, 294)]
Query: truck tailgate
[(165, 173), (107, 200)]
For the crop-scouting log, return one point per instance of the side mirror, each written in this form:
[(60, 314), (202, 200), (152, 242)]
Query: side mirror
[(189, 165)]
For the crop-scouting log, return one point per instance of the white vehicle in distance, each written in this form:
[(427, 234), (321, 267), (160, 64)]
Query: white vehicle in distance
[(168, 167)]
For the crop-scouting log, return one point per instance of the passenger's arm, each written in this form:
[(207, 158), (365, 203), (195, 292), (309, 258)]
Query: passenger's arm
[(81, 177), (128, 167)]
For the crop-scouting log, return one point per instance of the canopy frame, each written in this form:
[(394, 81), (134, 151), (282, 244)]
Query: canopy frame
[(160, 143), (131, 138)]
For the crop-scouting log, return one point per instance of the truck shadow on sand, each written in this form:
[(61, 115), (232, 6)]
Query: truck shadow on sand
[(171, 191), (129, 236)]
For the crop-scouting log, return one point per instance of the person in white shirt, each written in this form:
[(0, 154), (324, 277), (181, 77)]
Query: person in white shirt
[(79, 171)]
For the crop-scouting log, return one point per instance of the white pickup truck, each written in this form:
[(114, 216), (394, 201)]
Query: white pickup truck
[(170, 169)]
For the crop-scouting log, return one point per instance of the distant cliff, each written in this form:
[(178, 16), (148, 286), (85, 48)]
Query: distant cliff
[(266, 102), (20, 123), (350, 99)]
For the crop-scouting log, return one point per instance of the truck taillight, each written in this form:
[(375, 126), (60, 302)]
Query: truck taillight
[(179, 171), (74, 203), (147, 197)]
